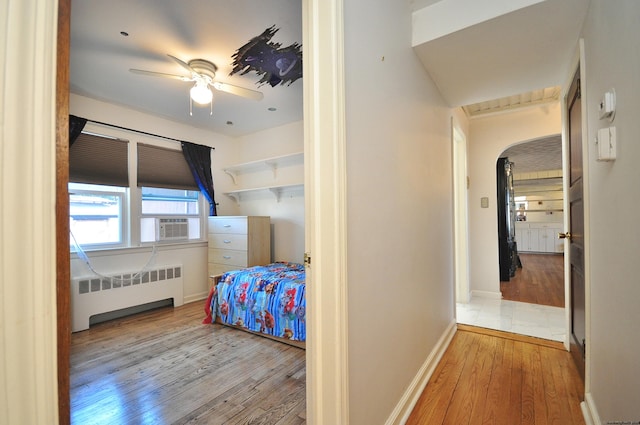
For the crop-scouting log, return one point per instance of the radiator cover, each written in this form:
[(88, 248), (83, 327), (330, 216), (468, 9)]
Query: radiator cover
[(97, 295)]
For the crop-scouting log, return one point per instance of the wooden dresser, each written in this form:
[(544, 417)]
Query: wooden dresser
[(236, 242)]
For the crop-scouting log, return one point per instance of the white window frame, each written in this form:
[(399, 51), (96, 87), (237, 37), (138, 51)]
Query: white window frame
[(202, 216), (124, 217)]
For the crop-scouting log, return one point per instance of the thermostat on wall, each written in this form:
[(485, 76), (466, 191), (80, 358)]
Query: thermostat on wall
[(607, 106)]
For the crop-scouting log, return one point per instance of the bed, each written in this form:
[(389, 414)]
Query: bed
[(267, 300)]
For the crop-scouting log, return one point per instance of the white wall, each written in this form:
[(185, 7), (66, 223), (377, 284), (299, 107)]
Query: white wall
[(612, 61), (399, 209), (287, 214), (192, 257), (488, 138)]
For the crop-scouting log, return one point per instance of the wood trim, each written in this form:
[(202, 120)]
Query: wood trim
[(325, 212), (63, 303), (27, 223), (514, 337)]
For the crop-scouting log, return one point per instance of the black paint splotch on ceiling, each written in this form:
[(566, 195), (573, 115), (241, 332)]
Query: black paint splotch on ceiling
[(276, 65)]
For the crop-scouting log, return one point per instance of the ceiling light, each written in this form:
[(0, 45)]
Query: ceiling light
[(201, 93)]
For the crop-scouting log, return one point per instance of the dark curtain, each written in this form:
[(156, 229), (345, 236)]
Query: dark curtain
[(76, 124), (199, 159)]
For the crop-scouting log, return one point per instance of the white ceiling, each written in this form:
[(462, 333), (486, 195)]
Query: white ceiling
[(538, 155), (480, 67), (213, 30), (420, 4), (528, 49)]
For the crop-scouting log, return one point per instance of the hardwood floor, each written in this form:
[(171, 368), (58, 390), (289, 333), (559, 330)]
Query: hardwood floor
[(539, 281), (493, 377), (165, 367)]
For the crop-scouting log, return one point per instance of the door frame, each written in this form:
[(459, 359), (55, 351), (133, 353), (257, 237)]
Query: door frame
[(325, 211), (325, 216), (27, 159), (578, 61), (461, 213)]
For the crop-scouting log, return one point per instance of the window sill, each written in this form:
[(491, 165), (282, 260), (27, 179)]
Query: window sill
[(165, 246)]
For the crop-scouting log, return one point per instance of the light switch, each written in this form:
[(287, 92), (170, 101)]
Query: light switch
[(484, 202), (606, 142)]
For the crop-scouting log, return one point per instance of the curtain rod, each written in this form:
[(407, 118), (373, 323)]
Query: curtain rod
[(139, 131)]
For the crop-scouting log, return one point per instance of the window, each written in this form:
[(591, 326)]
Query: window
[(162, 203), (96, 214), (126, 193), (521, 205)]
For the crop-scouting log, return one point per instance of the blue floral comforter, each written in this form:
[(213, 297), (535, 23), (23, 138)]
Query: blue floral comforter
[(267, 299)]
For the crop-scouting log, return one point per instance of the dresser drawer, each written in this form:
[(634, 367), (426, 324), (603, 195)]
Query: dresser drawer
[(216, 269), (228, 225), (228, 256), (228, 241)]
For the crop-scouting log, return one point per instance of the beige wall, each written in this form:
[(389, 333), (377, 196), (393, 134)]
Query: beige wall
[(287, 213), (399, 206), (488, 137), (612, 61)]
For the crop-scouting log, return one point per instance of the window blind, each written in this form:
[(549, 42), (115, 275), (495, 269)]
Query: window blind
[(162, 167), (97, 159)]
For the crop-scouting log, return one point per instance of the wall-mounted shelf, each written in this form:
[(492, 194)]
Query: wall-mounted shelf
[(277, 191), (264, 164), (541, 210)]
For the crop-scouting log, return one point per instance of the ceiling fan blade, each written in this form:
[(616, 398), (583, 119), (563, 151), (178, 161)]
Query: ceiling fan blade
[(238, 91), (161, 74), (183, 64)]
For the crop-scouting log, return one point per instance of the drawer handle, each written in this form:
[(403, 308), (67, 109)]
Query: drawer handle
[(227, 225), (226, 241), (226, 257)]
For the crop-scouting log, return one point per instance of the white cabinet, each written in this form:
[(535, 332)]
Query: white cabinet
[(538, 237), (236, 242)]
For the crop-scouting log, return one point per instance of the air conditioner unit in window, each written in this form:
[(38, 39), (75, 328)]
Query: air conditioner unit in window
[(168, 229)]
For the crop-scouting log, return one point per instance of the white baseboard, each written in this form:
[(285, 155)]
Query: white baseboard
[(589, 410), (196, 297), (487, 294), (410, 397)]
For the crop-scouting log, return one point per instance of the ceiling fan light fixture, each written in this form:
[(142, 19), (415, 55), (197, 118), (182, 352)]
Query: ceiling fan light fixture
[(201, 93)]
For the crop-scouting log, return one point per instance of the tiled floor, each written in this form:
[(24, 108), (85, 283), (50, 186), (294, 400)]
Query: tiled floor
[(527, 319)]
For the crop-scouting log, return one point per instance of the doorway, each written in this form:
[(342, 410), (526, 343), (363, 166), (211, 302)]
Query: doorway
[(533, 295), (327, 390)]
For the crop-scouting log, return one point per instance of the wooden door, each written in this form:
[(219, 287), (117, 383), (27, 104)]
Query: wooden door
[(576, 226)]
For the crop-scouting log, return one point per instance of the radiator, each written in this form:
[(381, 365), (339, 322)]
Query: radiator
[(97, 295)]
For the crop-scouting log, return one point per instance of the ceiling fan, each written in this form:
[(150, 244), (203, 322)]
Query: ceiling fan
[(202, 73)]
